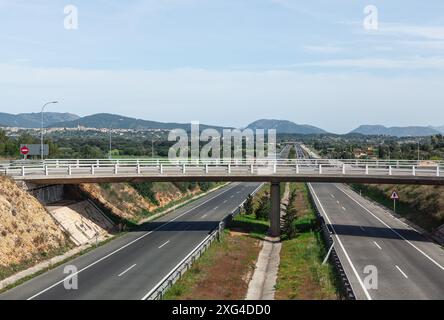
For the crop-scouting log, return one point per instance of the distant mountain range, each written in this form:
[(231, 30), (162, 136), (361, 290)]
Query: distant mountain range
[(411, 131), (107, 120), (440, 129), (285, 126), (34, 120)]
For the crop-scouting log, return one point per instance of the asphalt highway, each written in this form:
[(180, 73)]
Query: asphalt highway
[(131, 265), (383, 257)]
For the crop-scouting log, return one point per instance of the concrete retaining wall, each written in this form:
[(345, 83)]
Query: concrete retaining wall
[(47, 194)]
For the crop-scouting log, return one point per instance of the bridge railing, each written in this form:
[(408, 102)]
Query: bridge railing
[(222, 161), (256, 167)]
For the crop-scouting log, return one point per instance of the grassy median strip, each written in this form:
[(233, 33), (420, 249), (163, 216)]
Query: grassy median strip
[(301, 272), (221, 273)]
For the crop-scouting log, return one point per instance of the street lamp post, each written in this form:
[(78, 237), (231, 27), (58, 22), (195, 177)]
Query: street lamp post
[(110, 142), (418, 151), (41, 132)]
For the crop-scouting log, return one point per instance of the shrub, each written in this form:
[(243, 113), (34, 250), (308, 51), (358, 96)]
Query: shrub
[(145, 189), (264, 207)]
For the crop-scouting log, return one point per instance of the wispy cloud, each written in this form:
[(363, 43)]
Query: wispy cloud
[(323, 49), (425, 32), (378, 63)]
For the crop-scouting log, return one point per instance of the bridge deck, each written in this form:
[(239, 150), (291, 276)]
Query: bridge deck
[(278, 171)]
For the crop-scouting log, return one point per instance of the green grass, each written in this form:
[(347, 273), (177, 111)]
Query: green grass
[(249, 224), (301, 274), (378, 196), (421, 219)]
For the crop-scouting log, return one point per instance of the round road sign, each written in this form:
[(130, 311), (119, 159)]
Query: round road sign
[(24, 150)]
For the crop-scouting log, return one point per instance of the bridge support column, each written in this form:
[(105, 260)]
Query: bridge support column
[(275, 213)]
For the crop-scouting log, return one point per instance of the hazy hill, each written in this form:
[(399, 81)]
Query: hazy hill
[(440, 129), (33, 120), (285, 126), (412, 131), (107, 120)]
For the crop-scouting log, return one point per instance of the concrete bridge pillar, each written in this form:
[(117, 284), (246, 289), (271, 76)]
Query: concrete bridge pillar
[(275, 213)]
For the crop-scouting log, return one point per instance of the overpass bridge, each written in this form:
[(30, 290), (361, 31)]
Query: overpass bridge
[(75, 171)]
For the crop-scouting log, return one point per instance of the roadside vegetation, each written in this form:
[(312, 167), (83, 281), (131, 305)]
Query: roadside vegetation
[(222, 272), (301, 273), (422, 205), (378, 147)]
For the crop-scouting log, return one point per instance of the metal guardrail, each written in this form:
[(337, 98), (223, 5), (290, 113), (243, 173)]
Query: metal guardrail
[(168, 281), (333, 257)]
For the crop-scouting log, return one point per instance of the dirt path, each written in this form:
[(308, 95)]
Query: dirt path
[(263, 282)]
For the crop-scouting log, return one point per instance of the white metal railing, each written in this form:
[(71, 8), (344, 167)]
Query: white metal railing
[(150, 161), (280, 167)]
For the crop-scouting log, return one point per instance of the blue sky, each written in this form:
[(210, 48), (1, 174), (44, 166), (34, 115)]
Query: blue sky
[(227, 61)]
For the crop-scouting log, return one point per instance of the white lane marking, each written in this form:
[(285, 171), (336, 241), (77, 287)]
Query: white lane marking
[(376, 244), (332, 195), (215, 208), (127, 270), (183, 260), (164, 244), (337, 202), (225, 201), (172, 270), (127, 245), (203, 216), (394, 231), (232, 196), (343, 208), (402, 272), (340, 243)]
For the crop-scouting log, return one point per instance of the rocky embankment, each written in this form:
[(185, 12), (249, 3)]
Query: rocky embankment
[(134, 204), (28, 234)]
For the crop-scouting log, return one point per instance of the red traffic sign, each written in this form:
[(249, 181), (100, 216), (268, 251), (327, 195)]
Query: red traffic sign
[(24, 150), (394, 195)]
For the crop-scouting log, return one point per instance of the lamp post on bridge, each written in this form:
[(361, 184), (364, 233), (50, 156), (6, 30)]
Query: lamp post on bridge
[(41, 132)]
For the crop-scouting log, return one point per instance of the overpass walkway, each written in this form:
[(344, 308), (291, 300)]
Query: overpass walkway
[(61, 171)]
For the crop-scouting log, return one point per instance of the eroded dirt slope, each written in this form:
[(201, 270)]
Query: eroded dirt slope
[(27, 232), (124, 201)]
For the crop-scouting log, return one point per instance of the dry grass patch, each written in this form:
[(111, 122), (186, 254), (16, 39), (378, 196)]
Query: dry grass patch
[(222, 272)]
